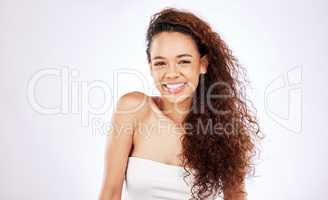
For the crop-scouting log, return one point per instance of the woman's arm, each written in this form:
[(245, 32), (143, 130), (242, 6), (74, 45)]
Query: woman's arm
[(119, 144)]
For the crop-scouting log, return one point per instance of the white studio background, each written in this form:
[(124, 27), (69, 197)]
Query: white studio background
[(63, 65)]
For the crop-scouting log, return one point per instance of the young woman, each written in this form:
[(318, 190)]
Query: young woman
[(195, 140)]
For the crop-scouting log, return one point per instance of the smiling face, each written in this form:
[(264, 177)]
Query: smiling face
[(175, 65)]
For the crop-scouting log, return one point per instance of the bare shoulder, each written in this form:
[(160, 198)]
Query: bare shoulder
[(133, 104)]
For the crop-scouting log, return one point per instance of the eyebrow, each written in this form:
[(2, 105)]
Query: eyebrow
[(178, 56)]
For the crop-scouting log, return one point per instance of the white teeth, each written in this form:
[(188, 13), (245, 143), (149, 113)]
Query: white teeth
[(174, 86)]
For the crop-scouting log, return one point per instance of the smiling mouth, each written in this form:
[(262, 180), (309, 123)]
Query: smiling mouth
[(174, 88)]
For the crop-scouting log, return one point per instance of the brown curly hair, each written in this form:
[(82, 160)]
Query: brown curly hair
[(221, 155)]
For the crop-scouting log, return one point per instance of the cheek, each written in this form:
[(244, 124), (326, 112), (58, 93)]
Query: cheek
[(157, 74), (193, 84), (193, 77), (156, 77)]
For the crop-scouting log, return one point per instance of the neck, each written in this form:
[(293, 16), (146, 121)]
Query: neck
[(176, 110)]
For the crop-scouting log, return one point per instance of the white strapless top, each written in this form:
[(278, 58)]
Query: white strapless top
[(152, 180)]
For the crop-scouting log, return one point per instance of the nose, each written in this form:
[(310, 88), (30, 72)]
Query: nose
[(172, 72)]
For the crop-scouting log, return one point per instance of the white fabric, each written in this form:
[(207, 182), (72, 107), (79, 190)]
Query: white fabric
[(152, 180)]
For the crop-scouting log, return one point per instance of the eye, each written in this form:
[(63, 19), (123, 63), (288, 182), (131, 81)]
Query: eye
[(159, 64), (184, 62)]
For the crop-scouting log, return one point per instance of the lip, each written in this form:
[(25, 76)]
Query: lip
[(173, 90), (175, 82)]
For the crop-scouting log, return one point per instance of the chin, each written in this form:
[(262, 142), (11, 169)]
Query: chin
[(175, 98)]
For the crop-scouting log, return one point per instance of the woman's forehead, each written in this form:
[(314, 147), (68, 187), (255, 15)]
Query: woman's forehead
[(168, 44)]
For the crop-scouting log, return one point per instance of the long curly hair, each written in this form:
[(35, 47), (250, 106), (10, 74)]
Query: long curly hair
[(221, 143)]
